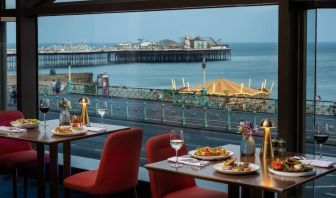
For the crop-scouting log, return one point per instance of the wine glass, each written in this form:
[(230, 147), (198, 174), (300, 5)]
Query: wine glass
[(44, 108), (176, 141), (321, 136), (102, 109)]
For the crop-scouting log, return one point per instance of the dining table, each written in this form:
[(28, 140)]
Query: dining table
[(260, 183), (43, 136)]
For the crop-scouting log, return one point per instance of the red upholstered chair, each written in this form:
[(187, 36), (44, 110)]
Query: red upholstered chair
[(166, 185), (15, 154), (118, 168)]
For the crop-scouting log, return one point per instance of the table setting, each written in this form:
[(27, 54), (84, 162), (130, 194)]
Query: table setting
[(226, 162)]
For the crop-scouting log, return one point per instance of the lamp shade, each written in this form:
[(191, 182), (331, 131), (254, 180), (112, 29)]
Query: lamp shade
[(84, 100), (266, 123)]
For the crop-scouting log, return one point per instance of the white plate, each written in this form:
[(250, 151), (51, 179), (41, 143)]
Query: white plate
[(70, 134), (24, 126), (219, 167), (291, 174), (192, 153)]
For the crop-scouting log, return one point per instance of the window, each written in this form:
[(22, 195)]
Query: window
[(148, 67), (321, 51), (10, 4), (11, 65)]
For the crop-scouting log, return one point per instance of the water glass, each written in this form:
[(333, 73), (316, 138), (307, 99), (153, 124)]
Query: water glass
[(102, 109), (176, 142)]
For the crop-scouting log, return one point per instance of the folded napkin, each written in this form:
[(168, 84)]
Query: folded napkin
[(96, 129), (12, 129), (318, 163), (189, 161)]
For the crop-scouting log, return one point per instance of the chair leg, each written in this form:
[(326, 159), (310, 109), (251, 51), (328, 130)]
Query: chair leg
[(15, 180), (66, 193), (25, 182), (135, 194)]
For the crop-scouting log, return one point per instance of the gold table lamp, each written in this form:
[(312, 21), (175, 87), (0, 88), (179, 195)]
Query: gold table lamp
[(84, 113), (266, 151)]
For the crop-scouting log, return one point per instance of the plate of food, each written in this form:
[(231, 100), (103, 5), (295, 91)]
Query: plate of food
[(291, 167), (211, 153), (25, 123), (230, 166), (68, 131)]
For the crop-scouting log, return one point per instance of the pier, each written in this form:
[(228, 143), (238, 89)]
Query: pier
[(97, 57)]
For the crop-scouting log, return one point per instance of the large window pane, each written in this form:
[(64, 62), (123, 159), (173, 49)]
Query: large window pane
[(11, 65), (10, 4), (321, 96), (147, 66)]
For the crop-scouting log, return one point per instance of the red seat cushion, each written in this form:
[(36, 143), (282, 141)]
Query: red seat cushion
[(9, 145), (84, 181), (118, 168), (20, 159), (196, 192)]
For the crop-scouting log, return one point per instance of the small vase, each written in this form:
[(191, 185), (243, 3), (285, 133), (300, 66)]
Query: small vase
[(247, 145), (64, 118)]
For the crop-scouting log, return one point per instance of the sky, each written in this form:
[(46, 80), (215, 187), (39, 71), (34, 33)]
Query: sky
[(237, 24), (245, 24)]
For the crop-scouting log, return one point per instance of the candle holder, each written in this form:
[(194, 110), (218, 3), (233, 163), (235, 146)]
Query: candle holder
[(84, 113), (266, 151)]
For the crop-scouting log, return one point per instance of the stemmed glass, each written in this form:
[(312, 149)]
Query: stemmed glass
[(102, 109), (176, 141), (44, 108), (321, 136)]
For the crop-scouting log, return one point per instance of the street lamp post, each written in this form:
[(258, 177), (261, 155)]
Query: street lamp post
[(203, 68)]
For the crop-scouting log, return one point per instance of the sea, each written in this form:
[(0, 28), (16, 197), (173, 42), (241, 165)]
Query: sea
[(250, 62)]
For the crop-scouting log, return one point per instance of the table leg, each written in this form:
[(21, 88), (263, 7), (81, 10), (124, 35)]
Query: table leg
[(41, 170), (233, 190), (268, 194), (53, 165), (250, 192), (66, 164)]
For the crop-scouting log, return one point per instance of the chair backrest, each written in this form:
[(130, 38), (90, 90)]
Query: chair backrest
[(119, 164), (8, 145), (157, 149)]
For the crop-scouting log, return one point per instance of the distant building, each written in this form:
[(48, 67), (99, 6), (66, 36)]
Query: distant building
[(168, 44), (124, 46), (199, 43), (206, 43), (187, 43), (145, 44)]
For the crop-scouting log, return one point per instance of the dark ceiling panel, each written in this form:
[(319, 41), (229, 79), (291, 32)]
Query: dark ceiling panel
[(103, 6)]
